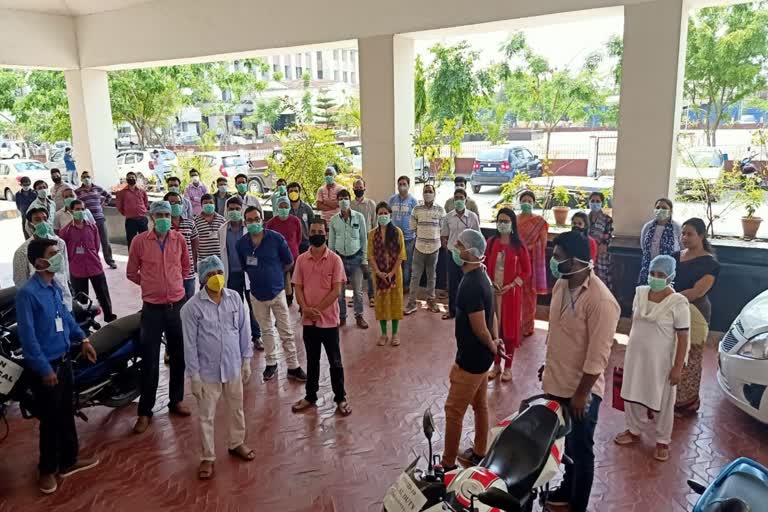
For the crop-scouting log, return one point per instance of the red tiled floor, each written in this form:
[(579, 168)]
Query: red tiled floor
[(320, 462)]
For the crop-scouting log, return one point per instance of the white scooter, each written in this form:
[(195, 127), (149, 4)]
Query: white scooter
[(526, 450)]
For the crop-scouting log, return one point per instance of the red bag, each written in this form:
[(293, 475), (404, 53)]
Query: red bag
[(618, 380)]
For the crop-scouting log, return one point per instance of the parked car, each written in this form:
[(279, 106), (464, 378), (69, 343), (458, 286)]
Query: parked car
[(228, 164), (742, 369), (56, 159), (141, 162), (422, 170), (497, 166), (12, 170), (355, 158), (189, 140), (11, 149)]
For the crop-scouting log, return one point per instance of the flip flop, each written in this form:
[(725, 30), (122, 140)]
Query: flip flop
[(661, 453), (236, 452), (207, 472), (343, 408), (302, 405), (447, 316)]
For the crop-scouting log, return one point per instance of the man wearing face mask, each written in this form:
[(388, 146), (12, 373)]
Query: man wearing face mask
[(64, 216), (208, 224), (195, 191), (174, 185), (24, 198), (402, 205), (188, 229), (241, 184), (220, 196), (158, 260), (58, 187), (290, 227), (460, 182), (301, 211), (425, 222), (217, 352), (348, 237), (43, 199), (237, 280), (133, 203), (159, 169), (46, 330), (39, 228), (94, 198), (327, 202), (265, 256), (583, 316), (453, 224), (367, 207), (281, 190)]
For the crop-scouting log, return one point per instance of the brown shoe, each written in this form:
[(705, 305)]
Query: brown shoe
[(342, 322), (80, 465), (142, 424), (47, 483), (361, 323), (180, 409)]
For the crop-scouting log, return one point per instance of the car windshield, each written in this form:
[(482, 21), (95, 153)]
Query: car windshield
[(492, 155), (167, 155), (30, 166), (231, 161)]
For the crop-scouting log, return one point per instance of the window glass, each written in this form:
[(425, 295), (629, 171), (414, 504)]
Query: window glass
[(492, 155)]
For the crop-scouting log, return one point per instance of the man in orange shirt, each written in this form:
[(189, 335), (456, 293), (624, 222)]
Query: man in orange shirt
[(582, 322)]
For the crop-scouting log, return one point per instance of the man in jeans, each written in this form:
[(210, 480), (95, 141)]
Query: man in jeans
[(265, 256), (132, 203), (367, 207), (582, 322), (349, 239), (402, 205), (425, 222), (95, 198), (157, 262), (477, 344), (319, 278)]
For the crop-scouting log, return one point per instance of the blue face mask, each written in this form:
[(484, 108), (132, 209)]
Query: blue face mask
[(596, 207), (456, 256)]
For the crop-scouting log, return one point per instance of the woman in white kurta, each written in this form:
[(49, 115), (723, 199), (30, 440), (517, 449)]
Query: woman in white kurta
[(656, 352)]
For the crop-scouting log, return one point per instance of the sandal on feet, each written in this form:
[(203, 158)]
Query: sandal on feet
[(495, 372), (626, 438), (661, 453), (383, 340), (506, 375), (302, 405), (242, 452), (205, 471), (343, 408), (447, 316), (395, 340)]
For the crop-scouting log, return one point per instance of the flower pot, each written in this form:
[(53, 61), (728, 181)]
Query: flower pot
[(750, 225), (561, 214)]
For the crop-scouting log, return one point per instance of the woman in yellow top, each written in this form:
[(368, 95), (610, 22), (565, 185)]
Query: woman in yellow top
[(386, 252)]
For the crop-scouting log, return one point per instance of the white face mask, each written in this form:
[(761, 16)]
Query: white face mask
[(429, 197)]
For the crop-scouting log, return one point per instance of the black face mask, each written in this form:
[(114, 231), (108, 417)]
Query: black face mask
[(56, 180), (359, 193), (580, 230), (317, 240), (131, 181)]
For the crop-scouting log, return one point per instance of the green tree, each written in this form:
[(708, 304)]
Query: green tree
[(614, 50), (307, 114), (420, 88), (11, 82), (278, 76), (349, 114), (43, 112), (727, 49), (325, 106), (267, 111)]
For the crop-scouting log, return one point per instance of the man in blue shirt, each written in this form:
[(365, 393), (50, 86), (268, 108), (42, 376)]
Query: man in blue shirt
[(402, 205), (265, 256), (69, 165), (46, 328), (24, 198)]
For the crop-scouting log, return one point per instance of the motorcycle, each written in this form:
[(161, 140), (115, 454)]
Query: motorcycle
[(526, 450), (742, 486)]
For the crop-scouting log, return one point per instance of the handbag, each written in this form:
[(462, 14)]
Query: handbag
[(618, 380)]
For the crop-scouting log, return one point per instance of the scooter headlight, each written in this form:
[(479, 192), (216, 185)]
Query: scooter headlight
[(756, 348)]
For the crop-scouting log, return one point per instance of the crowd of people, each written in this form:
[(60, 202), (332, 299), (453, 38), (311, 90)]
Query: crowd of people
[(200, 257)]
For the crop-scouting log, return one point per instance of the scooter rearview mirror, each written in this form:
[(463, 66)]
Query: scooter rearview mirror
[(429, 424)]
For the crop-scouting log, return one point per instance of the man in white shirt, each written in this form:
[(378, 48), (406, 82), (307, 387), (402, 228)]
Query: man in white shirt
[(425, 222), (453, 224)]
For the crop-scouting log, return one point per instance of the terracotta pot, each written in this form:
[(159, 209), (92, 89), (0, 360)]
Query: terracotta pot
[(561, 214), (750, 225)]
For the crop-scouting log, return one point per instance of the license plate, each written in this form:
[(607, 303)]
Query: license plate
[(404, 496), (489, 169), (9, 375)]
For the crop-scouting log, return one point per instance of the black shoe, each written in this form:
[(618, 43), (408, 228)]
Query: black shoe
[(469, 458), (112, 265), (558, 498), (297, 374), (110, 318), (269, 372), (258, 345)]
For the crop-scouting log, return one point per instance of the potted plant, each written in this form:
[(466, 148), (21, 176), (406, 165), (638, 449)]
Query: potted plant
[(560, 200), (752, 197)]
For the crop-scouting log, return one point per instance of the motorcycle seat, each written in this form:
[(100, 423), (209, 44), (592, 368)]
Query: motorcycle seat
[(115, 333), (522, 449), (7, 298)]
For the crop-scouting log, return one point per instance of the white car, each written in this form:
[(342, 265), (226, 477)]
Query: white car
[(743, 359), (11, 149), (228, 164), (141, 162), (11, 172)]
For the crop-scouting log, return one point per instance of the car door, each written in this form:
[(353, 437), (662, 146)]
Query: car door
[(129, 162), (5, 178)]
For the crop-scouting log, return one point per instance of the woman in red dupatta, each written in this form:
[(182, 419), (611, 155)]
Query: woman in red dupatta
[(533, 233), (508, 266)]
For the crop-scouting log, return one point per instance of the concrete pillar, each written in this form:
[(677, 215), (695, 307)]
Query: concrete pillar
[(386, 112), (655, 35), (90, 112)]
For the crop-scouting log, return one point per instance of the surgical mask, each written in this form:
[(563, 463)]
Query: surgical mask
[(173, 189), (456, 256), (235, 215), (78, 214), (657, 283), (383, 220), (281, 189), (254, 228), (223, 189), (504, 227), (162, 225), (459, 204), (283, 212), (242, 188), (175, 210), (317, 240), (526, 207), (42, 193), (43, 229), (86, 181), (661, 213), (344, 204), (557, 273), (195, 179), (429, 197), (55, 264), (596, 207), (329, 180), (131, 181), (402, 189), (359, 193), (293, 196), (56, 179), (68, 201), (208, 209), (215, 283), (25, 188)]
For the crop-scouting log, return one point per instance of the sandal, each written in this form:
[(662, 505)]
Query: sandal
[(448, 316), (343, 408), (383, 340), (433, 307), (506, 376), (661, 453), (242, 452), (626, 438), (302, 405), (205, 471), (495, 372)]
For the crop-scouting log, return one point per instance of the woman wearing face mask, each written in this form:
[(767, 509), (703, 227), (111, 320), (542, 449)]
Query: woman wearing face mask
[(386, 253), (533, 233), (580, 223), (661, 235), (601, 229), (656, 352), (508, 267), (697, 271)]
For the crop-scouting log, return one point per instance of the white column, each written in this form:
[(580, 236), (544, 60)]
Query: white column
[(93, 137), (655, 35), (386, 111)]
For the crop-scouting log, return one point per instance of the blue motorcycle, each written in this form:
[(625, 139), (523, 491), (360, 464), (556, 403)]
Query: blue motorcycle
[(742, 486)]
